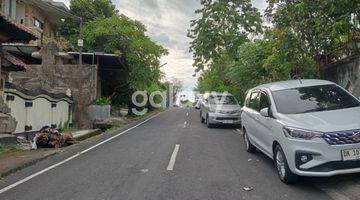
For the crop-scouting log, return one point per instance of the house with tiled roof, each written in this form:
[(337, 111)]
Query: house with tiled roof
[(10, 32), (40, 16)]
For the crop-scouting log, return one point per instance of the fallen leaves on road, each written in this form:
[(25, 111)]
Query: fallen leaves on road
[(144, 170), (248, 188)]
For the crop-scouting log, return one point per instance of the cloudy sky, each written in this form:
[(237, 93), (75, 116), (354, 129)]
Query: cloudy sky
[(167, 22)]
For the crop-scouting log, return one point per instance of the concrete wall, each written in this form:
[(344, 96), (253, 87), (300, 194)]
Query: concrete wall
[(54, 76), (346, 73), (44, 111), (99, 112)]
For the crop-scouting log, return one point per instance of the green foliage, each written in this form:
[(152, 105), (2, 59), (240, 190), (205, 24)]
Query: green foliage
[(102, 101), (65, 127), (7, 149), (88, 10), (223, 26), (106, 31), (2, 149), (288, 56), (126, 37), (302, 31), (323, 26)]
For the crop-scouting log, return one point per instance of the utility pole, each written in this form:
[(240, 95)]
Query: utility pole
[(81, 41)]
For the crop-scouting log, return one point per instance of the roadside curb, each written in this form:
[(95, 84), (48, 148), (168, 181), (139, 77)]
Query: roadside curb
[(134, 123), (27, 164), (85, 134)]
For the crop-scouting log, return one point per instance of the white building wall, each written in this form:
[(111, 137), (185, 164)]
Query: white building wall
[(61, 113), (18, 112), (40, 114)]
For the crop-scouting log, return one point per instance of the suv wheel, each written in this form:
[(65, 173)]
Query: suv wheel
[(282, 166), (249, 147), (208, 124)]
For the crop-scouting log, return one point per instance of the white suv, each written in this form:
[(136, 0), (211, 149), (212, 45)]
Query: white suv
[(308, 127)]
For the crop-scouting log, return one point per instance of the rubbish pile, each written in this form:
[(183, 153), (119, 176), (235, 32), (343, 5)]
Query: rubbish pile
[(49, 137)]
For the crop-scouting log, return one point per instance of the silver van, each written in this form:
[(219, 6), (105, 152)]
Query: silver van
[(219, 108)]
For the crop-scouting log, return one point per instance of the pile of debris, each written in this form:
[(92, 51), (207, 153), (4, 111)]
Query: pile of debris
[(49, 137)]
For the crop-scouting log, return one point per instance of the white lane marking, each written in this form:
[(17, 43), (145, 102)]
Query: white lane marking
[(72, 157), (170, 167), (187, 114)]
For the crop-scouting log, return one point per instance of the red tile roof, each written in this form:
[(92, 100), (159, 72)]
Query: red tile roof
[(14, 60)]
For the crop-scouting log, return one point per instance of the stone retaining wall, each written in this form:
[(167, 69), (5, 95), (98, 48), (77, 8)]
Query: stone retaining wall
[(56, 77), (346, 73)]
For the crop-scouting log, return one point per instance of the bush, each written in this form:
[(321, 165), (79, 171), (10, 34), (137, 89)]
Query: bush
[(102, 101), (2, 149)]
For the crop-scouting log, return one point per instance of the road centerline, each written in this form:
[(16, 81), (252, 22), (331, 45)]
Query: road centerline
[(171, 164)]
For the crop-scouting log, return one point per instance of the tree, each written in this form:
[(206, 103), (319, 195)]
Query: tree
[(126, 37), (274, 58), (288, 56), (107, 31), (88, 10), (248, 70), (222, 27), (177, 87), (325, 27)]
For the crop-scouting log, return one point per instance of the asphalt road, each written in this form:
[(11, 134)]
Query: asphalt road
[(171, 156)]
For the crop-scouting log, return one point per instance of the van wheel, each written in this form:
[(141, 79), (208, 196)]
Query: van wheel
[(201, 118), (249, 147), (284, 172), (208, 124)]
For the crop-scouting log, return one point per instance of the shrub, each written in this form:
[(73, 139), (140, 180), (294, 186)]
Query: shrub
[(102, 101)]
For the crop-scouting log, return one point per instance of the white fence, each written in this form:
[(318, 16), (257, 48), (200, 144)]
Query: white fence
[(33, 110)]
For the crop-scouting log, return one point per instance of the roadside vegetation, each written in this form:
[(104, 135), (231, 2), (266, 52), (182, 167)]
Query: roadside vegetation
[(7, 149), (235, 47), (105, 30)]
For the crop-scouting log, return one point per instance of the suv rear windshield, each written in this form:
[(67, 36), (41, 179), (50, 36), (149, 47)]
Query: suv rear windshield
[(312, 99), (222, 99)]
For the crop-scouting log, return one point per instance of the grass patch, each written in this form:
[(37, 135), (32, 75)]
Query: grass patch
[(137, 117), (70, 129), (114, 128), (2, 149), (6, 149)]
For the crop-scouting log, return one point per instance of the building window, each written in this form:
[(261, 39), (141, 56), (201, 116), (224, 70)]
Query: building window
[(38, 24)]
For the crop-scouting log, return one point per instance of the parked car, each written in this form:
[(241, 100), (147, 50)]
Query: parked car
[(308, 127), (219, 108)]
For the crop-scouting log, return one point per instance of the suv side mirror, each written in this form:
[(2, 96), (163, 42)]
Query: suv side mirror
[(264, 112)]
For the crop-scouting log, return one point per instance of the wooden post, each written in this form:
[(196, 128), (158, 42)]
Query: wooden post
[(80, 38)]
